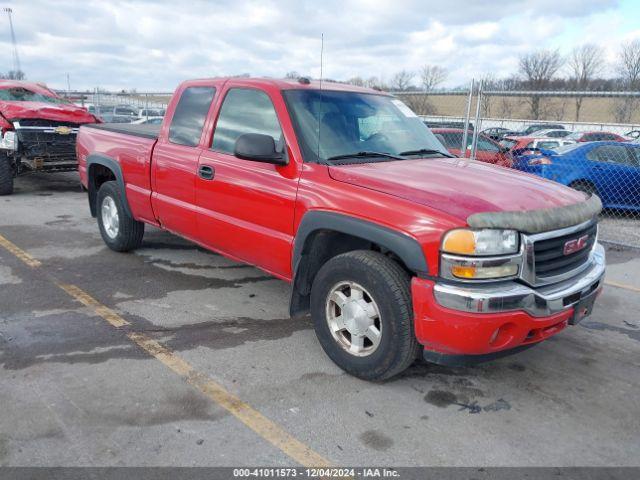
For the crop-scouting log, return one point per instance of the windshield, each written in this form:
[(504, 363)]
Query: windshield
[(567, 148), (574, 136), (345, 123), (24, 95), (508, 144)]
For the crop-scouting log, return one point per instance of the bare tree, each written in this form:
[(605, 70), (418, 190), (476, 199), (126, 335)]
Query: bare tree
[(431, 76), (419, 103), (375, 82), (357, 81), (13, 75), (506, 107), (628, 68), (402, 80), (292, 75), (623, 109), (538, 69), (488, 84), (629, 65), (585, 62), (554, 108)]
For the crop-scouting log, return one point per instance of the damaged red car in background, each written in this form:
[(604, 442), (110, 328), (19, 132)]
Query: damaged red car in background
[(38, 131)]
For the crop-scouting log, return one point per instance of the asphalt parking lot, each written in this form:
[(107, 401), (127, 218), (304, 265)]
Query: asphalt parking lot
[(208, 369)]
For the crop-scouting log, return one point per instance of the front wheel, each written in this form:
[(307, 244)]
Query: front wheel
[(119, 230), (363, 316), (6, 176)]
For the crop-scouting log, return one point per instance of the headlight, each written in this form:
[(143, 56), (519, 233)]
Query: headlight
[(540, 161), (9, 141), (480, 242), (479, 269), (480, 254)]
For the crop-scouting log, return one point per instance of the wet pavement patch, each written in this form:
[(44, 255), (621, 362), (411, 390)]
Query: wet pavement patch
[(500, 404), (632, 333), (445, 398), (4, 449), (70, 337), (222, 334), (517, 367), (440, 398), (186, 406), (376, 440)]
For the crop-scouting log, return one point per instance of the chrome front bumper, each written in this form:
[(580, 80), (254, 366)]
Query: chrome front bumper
[(512, 296)]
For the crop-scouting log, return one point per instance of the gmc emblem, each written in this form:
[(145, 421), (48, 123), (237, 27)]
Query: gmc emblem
[(575, 245)]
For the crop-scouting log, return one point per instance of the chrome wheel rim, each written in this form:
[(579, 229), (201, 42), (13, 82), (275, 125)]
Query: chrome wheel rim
[(354, 318), (110, 218)]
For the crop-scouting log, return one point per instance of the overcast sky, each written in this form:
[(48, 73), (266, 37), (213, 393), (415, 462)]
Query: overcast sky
[(154, 45)]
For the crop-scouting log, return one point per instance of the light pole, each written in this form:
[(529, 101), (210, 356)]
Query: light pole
[(16, 59)]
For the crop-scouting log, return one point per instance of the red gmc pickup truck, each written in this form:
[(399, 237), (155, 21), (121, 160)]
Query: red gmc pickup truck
[(392, 245)]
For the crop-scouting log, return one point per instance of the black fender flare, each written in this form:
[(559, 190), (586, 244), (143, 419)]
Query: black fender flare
[(407, 248), (114, 166)]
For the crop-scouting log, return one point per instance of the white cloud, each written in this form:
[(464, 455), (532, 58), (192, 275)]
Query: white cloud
[(154, 45)]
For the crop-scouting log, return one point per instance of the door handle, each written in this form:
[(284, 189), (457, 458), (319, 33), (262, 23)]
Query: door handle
[(206, 172)]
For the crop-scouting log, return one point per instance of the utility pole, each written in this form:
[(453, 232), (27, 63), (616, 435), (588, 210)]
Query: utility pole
[(16, 59)]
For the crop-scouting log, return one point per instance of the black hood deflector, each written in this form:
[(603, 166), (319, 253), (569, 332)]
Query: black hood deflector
[(536, 221)]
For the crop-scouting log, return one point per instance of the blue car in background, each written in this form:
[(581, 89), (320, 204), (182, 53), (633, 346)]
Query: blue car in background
[(609, 169)]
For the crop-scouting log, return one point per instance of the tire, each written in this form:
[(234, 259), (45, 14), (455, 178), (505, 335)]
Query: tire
[(6, 176), (386, 288), (120, 231), (584, 186)]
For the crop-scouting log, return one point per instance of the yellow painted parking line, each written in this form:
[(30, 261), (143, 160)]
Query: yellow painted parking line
[(267, 429), (622, 285), (105, 312), (253, 419), (18, 252)]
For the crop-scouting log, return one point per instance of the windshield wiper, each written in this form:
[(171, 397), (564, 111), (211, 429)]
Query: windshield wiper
[(365, 154), (426, 151)]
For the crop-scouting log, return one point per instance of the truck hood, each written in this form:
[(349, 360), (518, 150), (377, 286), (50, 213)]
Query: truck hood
[(63, 112), (458, 187)]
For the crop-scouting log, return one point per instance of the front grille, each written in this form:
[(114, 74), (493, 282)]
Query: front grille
[(549, 255), (47, 145), (40, 122)]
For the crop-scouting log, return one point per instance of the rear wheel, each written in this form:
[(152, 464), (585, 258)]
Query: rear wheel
[(363, 316), (119, 230), (6, 176)]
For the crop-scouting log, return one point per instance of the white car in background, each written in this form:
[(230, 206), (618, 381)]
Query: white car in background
[(149, 112), (552, 133), (148, 121), (524, 143)]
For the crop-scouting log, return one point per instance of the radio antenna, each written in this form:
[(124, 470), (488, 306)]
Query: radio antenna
[(320, 106)]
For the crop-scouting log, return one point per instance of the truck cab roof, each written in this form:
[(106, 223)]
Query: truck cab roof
[(286, 84)]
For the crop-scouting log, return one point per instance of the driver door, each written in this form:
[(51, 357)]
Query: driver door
[(246, 208)]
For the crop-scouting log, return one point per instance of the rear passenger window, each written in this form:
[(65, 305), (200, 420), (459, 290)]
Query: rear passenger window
[(245, 111), (609, 154), (191, 112)]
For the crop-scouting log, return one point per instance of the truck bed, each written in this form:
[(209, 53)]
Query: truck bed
[(146, 131)]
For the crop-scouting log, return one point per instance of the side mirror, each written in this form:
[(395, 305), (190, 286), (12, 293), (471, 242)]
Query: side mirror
[(258, 148)]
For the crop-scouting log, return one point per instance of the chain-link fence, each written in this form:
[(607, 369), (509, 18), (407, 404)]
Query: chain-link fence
[(589, 141), (122, 107)]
